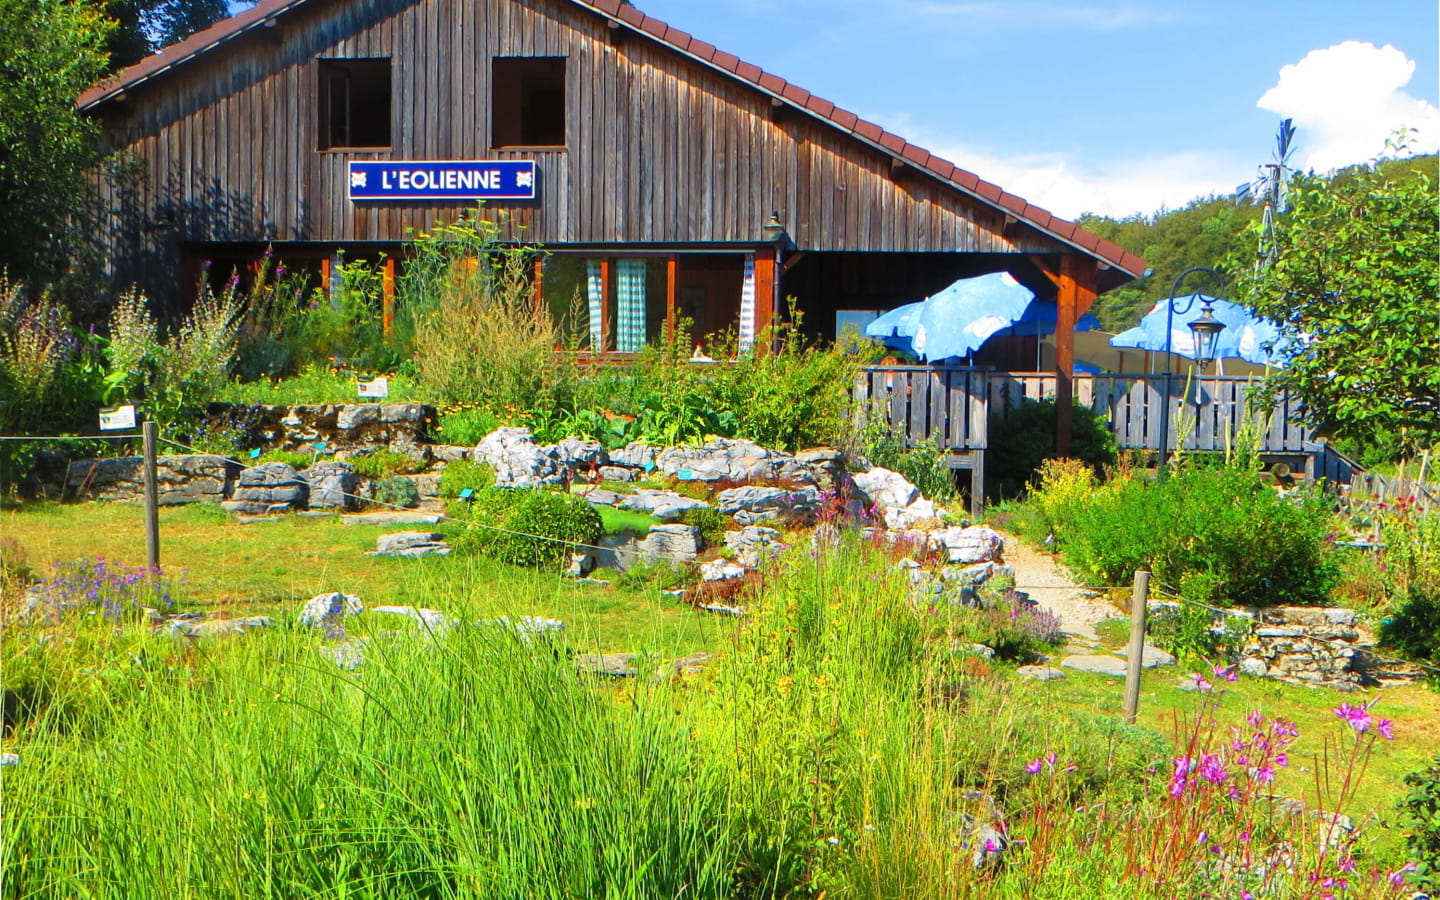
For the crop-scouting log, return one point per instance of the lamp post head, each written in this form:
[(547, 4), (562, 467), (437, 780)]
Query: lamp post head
[(1207, 330)]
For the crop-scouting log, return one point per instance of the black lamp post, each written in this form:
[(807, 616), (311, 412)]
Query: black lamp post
[(1206, 330)]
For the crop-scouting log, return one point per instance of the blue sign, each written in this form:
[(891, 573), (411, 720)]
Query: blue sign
[(504, 179)]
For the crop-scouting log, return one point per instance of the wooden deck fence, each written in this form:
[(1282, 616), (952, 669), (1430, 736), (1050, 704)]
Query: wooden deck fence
[(951, 406)]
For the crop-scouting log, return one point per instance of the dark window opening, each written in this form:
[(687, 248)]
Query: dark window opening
[(527, 101), (354, 103)]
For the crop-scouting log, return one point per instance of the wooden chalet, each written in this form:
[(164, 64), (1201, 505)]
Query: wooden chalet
[(663, 176)]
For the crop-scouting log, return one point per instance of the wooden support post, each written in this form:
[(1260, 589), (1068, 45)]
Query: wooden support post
[(604, 304), (767, 286), (1073, 298), (152, 497), (387, 295), (539, 283), (671, 270), (1134, 658), (325, 277)]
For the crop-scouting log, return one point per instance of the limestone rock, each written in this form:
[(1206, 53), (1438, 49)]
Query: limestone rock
[(219, 627), (581, 564), (722, 460), (579, 454), (889, 489), (330, 482), (616, 473), (268, 487), (975, 544), (901, 517), (9, 759), (349, 655), (634, 456), (1254, 667), (598, 496), (324, 610), (427, 619), (1105, 665), (664, 505), (517, 460), (181, 479), (411, 544), (763, 499), (721, 570), (675, 544), (754, 545), (1154, 657), (1040, 673), (449, 452), (613, 665)]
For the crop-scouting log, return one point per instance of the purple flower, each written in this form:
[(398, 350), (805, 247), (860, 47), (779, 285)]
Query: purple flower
[(1347, 864), (1358, 717), (1225, 673), (1386, 729), (1202, 684), (1212, 769), (1282, 759), (1034, 766), (1265, 774)]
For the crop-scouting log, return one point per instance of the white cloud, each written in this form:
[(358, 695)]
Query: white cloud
[(1059, 184), (1347, 100)]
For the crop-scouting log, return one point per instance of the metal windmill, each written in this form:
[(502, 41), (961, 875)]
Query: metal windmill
[(1271, 189)]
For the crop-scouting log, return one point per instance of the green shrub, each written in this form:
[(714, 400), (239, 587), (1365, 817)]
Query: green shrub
[(1421, 808), (660, 577), (624, 521), (712, 523), (1211, 534), (397, 490), (1023, 438), (529, 527), (464, 474), (380, 463), (1414, 629), (923, 465), (295, 459), (503, 359), (465, 426)]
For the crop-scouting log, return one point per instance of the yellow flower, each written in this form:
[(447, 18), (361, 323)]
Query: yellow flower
[(586, 803), (784, 684)]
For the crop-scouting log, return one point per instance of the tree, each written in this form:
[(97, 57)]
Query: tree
[(144, 26), (50, 51), (1354, 268)]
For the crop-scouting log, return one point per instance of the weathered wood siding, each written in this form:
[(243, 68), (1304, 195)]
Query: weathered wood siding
[(660, 148)]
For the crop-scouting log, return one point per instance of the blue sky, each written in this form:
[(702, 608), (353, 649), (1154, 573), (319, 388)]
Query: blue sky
[(1103, 105)]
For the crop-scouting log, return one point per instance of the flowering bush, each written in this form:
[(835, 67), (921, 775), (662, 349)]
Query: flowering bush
[(100, 586)]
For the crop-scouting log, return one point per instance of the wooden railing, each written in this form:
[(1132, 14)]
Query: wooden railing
[(952, 405)]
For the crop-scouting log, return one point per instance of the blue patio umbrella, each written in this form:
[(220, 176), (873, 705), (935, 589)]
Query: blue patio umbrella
[(1245, 336), (958, 320)]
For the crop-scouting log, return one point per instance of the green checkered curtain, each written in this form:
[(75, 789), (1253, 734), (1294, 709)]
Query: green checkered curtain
[(595, 298), (630, 305)]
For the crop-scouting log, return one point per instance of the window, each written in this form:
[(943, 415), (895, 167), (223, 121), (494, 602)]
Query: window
[(527, 101), (354, 103)]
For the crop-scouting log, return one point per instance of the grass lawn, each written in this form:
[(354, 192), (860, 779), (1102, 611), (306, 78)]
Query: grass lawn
[(274, 565)]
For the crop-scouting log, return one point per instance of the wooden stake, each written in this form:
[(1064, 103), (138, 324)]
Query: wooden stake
[(1139, 605), (152, 498)]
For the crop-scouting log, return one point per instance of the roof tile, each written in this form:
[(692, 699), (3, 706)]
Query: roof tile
[(609, 7), (892, 142), (796, 94), (868, 130), (749, 71), (677, 37), (917, 155), (820, 106), (631, 15), (727, 61), (703, 50), (772, 83)]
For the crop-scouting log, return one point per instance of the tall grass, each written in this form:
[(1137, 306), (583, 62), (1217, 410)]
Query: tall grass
[(473, 765), (839, 746)]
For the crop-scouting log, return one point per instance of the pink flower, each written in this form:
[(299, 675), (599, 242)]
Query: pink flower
[(1201, 683), (1358, 717), (1265, 774), (1386, 729), (1255, 720), (1225, 673), (1034, 766), (1050, 759), (1347, 864), (1244, 837), (1212, 770), (1282, 759)]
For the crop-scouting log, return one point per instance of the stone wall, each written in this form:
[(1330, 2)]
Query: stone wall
[(1317, 645), (182, 479), (402, 427)]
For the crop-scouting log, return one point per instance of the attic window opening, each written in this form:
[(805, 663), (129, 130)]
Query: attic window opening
[(354, 103), (527, 101)]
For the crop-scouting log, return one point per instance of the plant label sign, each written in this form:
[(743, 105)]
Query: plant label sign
[(117, 418), (374, 387)]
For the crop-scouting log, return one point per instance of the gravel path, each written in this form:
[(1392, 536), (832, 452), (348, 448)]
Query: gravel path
[(1038, 574)]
